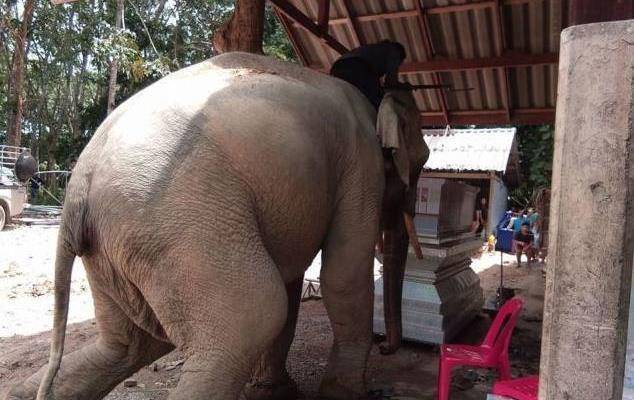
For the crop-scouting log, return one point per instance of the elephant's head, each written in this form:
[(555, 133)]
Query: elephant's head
[(404, 153)]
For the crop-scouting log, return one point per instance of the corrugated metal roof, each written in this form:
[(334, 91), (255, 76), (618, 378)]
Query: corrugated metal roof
[(453, 30), (470, 149)]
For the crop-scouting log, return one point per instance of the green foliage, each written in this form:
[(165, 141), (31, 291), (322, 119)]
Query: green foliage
[(69, 50), (535, 145), (276, 43)]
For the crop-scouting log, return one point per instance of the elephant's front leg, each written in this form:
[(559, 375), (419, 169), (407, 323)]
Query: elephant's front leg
[(347, 286), (270, 379)]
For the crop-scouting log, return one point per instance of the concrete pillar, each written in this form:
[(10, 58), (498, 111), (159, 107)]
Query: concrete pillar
[(592, 216)]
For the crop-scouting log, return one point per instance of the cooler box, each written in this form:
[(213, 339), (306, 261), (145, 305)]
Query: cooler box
[(504, 236)]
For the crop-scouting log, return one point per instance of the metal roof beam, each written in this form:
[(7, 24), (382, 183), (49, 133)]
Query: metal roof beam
[(374, 17), (323, 15), (507, 60), (431, 11), (429, 50), (305, 22), (351, 18), (528, 116), (506, 89), (291, 35)]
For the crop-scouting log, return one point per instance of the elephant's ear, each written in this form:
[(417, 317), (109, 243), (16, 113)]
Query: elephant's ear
[(390, 130)]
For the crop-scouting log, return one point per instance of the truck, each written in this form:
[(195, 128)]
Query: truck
[(12, 192)]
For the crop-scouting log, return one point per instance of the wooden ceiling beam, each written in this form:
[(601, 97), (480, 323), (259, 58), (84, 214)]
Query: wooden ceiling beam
[(460, 7), (323, 15), (505, 83), (306, 23), (432, 10), (429, 51), (490, 117), (291, 35), (506, 60), (374, 17), (351, 19)]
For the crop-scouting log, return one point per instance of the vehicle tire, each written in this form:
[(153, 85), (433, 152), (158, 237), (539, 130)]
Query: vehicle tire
[(4, 217)]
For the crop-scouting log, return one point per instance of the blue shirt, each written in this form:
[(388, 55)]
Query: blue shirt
[(517, 224)]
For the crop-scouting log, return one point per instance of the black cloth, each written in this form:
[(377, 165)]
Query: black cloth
[(383, 58), (520, 237), (361, 75)]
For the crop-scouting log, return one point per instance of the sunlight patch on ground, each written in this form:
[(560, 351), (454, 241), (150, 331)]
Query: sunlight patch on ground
[(27, 273)]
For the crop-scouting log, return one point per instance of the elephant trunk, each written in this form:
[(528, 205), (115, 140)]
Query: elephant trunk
[(395, 244)]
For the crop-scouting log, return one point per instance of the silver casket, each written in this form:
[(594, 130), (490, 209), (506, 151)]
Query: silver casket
[(441, 293)]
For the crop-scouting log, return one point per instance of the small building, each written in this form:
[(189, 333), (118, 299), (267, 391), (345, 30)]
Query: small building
[(485, 158)]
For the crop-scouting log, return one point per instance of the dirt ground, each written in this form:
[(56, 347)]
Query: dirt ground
[(26, 270)]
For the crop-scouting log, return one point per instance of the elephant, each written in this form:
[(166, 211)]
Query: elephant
[(196, 208)]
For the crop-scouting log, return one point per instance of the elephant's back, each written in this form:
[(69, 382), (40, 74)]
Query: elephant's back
[(271, 135)]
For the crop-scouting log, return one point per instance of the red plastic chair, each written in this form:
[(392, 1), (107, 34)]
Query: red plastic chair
[(492, 353), (519, 389)]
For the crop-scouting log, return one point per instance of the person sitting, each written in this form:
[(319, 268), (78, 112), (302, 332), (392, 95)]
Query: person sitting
[(364, 67), (480, 217), (523, 242)]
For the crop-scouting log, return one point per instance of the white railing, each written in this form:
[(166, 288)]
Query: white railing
[(9, 155)]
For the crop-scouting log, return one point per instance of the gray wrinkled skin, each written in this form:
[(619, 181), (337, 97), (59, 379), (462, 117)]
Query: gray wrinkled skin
[(196, 208)]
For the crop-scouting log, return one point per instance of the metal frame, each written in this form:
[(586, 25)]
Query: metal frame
[(434, 65)]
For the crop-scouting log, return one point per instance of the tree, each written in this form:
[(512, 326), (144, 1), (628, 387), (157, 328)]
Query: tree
[(69, 48), (16, 81), (244, 30), (112, 81), (535, 144)]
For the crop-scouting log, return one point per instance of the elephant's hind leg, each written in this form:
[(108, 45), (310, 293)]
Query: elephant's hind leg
[(93, 371), (231, 309), (347, 287), (270, 379)]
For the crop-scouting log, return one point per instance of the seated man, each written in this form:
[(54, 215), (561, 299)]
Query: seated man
[(364, 67), (523, 241)]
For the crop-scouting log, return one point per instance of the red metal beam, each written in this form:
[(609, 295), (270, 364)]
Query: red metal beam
[(304, 22), (590, 11), (374, 17), (431, 11), (351, 18), (506, 90), (291, 35), (323, 15), (429, 50), (490, 117), (507, 60), (460, 7)]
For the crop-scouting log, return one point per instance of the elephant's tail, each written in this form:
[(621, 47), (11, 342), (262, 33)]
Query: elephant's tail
[(63, 270)]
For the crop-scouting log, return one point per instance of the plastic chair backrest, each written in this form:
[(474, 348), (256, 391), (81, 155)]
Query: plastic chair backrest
[(499, 335)]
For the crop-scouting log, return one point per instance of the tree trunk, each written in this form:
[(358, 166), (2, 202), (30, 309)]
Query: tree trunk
[(75, 122), (16, 80), (51, 149), (112, 81), (244, 30)]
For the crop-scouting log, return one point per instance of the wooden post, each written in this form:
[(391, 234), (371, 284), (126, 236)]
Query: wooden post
[(244, 30), (590, 11), (592, 217)]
